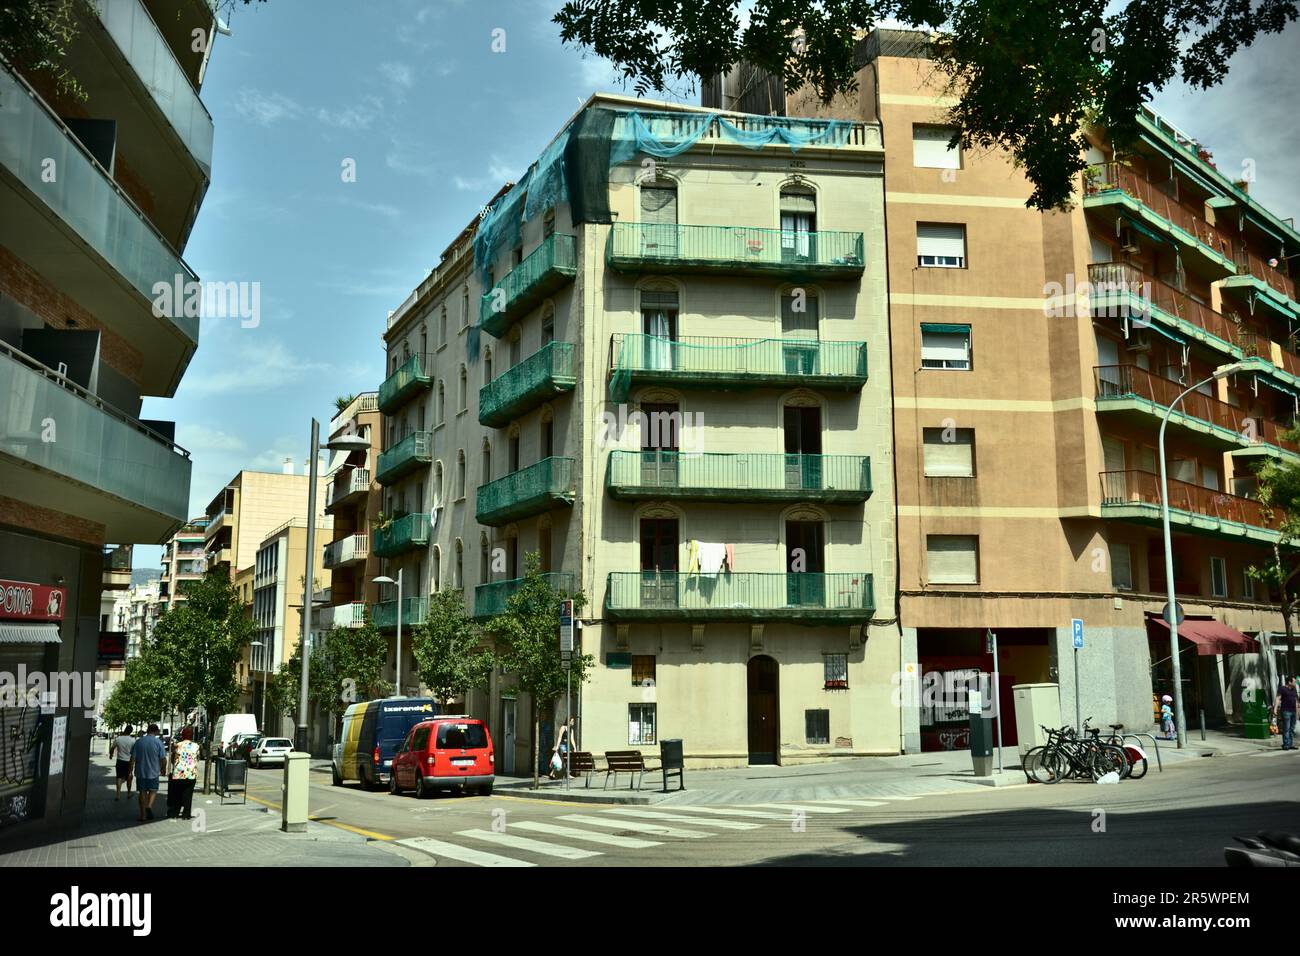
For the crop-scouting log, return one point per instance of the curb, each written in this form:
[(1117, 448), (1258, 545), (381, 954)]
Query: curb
[(577, 796)]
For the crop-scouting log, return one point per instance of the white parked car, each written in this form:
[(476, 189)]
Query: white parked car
[(270, 750)]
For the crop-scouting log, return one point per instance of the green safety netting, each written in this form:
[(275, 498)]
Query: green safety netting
[(665, 134)]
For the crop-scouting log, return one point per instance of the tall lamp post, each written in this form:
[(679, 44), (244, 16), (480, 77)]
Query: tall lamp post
[(342, 443), (1171, 609), (385, 579), (261, 662)]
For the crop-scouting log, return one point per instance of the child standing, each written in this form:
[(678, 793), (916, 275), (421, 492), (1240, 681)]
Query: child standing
[(1167, 716)]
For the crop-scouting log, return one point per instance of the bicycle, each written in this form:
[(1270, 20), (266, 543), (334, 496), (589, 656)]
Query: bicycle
[(1066, 754), (1135, 757)]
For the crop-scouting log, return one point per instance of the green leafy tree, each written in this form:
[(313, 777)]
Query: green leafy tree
[(1027, 73), (35, 36), (527, 640), (1279, 492), (449, 654), (141, 695)]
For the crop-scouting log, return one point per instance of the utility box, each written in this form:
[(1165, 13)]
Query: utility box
[(293, 802), (1257, 715), (1037, 706)]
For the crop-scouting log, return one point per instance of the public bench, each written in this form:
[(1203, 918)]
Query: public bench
[(624, 761)]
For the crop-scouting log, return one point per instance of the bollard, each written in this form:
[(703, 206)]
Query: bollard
[(1202, 723), (293, 799)]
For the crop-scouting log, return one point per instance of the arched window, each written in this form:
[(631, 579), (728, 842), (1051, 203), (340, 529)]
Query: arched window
[(437, 485), (487, 462), (435, 580), (458, 572), (464, 389), (442, 403), (487, 365), (460, 474), (485, 561), (442, 326), (800, 313), (798, 222)]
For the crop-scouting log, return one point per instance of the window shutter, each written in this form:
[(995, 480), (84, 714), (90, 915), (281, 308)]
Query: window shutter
[(950, 459), (945, 347), (952, 559), (804, 322), (940, 239), (1121, 566), (930, 148), (798, 203), (659, 204)]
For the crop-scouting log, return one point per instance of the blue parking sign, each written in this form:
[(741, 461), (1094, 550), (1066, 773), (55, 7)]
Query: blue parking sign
[(1077, 626)]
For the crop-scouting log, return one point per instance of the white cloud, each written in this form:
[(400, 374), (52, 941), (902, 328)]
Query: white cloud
[(200, 438), (399, 74), (379, 208), (356, 117), (252, 365), (498, 173), (265, 109)]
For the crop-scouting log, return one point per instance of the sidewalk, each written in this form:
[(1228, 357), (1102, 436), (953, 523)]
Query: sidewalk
[(232, 834), (910, 775)]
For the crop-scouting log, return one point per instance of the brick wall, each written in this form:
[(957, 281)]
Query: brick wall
[(20, 514)]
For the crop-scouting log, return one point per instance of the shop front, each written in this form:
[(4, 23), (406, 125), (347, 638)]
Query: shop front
[(1206, 648)]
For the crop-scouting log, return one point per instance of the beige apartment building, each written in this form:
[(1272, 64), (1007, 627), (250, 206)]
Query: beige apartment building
[(98, 194), (184, 559), (250, 507), (667, 375), (1027, 409)]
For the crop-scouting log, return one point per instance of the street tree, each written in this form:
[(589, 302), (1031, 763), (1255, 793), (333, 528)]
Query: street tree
[(449, 653), (141, 695), (1026, 74), (346, 666), (527, 639), (1279, 492)]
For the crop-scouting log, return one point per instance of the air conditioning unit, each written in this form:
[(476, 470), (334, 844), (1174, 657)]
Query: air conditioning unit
[(1139, 341), (1127, 241)]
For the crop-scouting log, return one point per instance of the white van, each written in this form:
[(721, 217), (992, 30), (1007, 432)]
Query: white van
[(230, 726)]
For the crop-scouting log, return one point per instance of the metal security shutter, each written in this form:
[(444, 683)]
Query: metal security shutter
[(930, 148), (659, 204), (940, 239), (949, 453), (952, 558), (945, 349)]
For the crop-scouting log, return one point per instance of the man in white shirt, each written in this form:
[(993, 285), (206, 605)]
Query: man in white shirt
[(121, 746)]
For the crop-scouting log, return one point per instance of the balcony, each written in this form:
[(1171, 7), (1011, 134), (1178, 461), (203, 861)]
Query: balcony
[(1140, 396), (138, 81), (349, 485), (491, 599), (407, 533), (347, 551), (117, 568), (399, 388), (638, 247), (414, 611), (342, 615), (64, 449), (412, 453), (86, 237), (832, 479), (804, 598), (526, 492), (549, 267), (1135, 496), (1119, 289), (716, 362), (543, 375), (1114, 191), (1269, 284)]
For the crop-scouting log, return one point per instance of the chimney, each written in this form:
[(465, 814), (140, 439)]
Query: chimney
[(306, 466), (1243, 185), (288, 466)]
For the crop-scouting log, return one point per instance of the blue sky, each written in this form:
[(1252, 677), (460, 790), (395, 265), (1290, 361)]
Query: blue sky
[(436, 121)]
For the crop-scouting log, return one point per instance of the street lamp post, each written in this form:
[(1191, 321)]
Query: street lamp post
[(1171, 609), (349, 443), (261, 660), (384, 579)]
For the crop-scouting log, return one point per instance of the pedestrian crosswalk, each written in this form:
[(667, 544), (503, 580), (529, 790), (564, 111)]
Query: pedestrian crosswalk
[(597, 831)]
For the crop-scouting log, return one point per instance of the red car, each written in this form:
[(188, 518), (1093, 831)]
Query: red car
[(450, 752)]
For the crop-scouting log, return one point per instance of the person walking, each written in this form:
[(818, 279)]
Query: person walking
[(184, 775), (1167, 717), (121, 747), (147, 758), (1284, 709), (559, 756)]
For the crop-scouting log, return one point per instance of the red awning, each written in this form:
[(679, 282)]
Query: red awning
[(1209, 636)]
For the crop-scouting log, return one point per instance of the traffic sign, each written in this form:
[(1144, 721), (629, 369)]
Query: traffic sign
[(1179, 615), (566, 628), (1076, 626)]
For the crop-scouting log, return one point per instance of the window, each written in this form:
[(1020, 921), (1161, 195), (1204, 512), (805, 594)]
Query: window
[(930, 147), (1121, 567), (952, 558), (945, 346), (1247, 585), (464, 307), (836, 671), (441, 403), (548, 328), (817, 726), (442, 326), (799, 315), (798, 221), (941, 245), (1218, 577), (437, 486), (435, 580), (460, 474), (548, 223), (949, 452), (659, 203), (640, 723), (464, 389), (643, 670), (458, 572)]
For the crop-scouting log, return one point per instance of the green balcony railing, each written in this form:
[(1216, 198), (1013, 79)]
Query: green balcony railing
[(741, 596), (714, 361), (97, 446), (545, 269), (85, 197), (544, 374), (413, 452), (739, 477), (410, 379), (490, 599), (402, 534), (528, 491), (668, 247), (414, 611)]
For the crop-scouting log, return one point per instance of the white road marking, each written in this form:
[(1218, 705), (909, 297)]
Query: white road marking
[(462, 853), (722, 811), (636, 826), (678, 818), (532, 846), (806, 808), (609, 839), (856, 803)]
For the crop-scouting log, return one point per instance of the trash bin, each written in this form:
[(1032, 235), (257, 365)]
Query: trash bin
[(234, 779), (1256, 715), (672, 761)]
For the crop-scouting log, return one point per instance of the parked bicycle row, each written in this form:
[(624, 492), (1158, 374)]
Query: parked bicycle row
[(1087, 754)]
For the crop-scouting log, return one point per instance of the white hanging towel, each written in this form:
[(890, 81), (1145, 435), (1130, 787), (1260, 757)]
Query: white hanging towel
[(712, 557)]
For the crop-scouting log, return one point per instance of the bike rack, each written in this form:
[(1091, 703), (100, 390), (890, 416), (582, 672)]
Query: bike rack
[(1155, 743)]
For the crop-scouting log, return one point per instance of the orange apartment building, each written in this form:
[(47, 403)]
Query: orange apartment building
[(1027, 408)]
